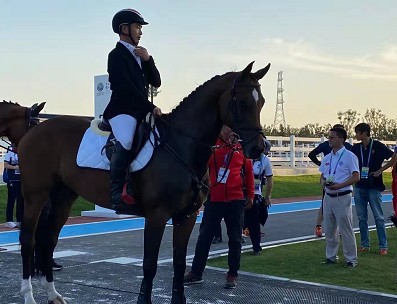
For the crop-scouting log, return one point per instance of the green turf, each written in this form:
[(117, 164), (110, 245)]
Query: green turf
[(303, 262)]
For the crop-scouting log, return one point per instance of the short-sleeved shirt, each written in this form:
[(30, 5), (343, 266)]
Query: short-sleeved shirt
[(379, 153), (262, 168), (12, 159), (341, 166)]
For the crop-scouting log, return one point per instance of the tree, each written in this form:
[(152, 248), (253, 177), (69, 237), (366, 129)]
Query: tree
[(378, 122), (349, 119)]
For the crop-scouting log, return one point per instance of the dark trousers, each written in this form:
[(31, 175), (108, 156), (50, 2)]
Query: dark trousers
[(253, 218), (14, 193), (232, 212)]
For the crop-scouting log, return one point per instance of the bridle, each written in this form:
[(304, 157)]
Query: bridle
[(232, 108), (30, 122)]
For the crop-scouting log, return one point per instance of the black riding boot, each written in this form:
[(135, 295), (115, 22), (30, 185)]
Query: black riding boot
[(118, 170)]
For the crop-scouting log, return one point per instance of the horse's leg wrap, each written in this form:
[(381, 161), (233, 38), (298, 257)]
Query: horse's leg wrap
[(53, 296), (27, 291)]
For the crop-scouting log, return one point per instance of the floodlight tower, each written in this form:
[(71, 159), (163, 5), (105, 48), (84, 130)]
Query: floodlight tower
[(279, 117)]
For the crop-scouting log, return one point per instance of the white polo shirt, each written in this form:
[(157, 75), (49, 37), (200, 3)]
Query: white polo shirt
[(340, 166)]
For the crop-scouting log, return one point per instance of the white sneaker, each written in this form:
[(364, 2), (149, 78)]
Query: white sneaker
[(10, 225)]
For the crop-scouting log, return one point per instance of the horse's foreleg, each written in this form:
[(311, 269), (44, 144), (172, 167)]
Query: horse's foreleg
[(181, 237), (58, 213), (32, 209), (154, 230)]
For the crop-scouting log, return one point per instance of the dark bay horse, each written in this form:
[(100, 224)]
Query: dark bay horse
[(166, 188)]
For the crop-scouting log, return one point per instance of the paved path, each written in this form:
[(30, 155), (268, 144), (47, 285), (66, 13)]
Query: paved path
[(104, 266)]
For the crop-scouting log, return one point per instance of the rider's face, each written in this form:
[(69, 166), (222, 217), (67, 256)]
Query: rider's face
[(134, 31)]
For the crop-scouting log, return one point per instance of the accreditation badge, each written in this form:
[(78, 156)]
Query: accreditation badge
[(223, 174), (258, 184), (364, 172)]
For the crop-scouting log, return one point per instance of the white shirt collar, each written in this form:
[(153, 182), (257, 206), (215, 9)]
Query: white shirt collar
[(339, 151), (131, 48)]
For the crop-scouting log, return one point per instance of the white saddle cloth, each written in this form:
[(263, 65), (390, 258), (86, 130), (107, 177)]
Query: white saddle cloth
[(94, 139)]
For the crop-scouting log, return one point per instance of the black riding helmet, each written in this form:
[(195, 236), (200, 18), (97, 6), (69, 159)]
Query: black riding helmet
[(126, 16)]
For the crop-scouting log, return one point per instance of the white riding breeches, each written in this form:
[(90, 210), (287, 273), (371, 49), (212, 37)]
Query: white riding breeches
[(123, 127)]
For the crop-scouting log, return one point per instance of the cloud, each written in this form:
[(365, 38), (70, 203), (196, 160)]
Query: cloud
[(303, 55)]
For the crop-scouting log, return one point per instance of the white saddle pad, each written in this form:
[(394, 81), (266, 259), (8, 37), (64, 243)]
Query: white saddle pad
[(94, 139)]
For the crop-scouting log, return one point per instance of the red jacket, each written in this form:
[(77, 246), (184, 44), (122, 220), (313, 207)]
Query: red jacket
[(229, 186)]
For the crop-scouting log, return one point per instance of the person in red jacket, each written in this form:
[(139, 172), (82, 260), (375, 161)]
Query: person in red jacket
[(231, 189)]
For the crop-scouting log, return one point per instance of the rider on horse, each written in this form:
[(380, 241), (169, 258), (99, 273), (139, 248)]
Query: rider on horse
[(131, 69)]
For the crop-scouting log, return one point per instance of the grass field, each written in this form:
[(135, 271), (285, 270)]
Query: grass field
[(303, 262), (284, 186)]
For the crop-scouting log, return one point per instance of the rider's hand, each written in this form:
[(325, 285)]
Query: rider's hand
[(157, 111), (142, 53)]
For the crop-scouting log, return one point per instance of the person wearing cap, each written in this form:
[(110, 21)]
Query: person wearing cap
[(339, 171), (258, 214), (325, 149), (227, 201), (131, 70)]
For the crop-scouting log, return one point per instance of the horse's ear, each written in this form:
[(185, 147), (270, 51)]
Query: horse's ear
[(37, 108), (247, 71), (40, 107), (262, 72)]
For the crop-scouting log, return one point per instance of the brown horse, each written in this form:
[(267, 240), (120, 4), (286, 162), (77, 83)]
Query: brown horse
[(47, 156)]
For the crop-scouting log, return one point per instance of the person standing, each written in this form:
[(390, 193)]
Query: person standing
[(325, 149), (391, 163), (227, 201), (339, 171), (258, 214), (131, 69), (14, 189), (371, 154)]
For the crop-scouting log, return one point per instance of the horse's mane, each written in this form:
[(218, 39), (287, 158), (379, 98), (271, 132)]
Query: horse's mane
[(194, 95), (10, 102)]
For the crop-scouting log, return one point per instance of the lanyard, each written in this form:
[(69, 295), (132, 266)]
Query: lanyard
[(330, 163), (369, 154)]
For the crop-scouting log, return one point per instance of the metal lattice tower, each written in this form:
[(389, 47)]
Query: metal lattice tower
[(279, 117)]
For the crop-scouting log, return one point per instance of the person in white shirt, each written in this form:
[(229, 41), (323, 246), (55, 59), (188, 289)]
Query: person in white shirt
[(257, 215), (14, 189), (339, 171)]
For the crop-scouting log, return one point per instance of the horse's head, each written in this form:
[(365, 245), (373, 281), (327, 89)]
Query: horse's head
[(240, 108), (16, 120)]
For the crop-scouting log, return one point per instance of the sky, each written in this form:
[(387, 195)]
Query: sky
[(335, 55)]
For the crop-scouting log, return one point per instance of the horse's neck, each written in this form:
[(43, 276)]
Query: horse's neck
[(199, 122)]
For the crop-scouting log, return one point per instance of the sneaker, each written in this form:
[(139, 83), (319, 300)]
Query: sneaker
[(363, 249), (10, 225), (383, 251), (231, 282), (191, 278), (256, 252), (350, 265), (217, 240), (318, 232), (328, 262), (56, 266)]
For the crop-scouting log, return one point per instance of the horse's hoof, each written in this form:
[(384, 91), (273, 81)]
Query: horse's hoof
[(143, 300), (177, 298), (57, 300)]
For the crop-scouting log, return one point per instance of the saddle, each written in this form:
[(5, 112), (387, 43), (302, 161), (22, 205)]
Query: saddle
[(142, 134)]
